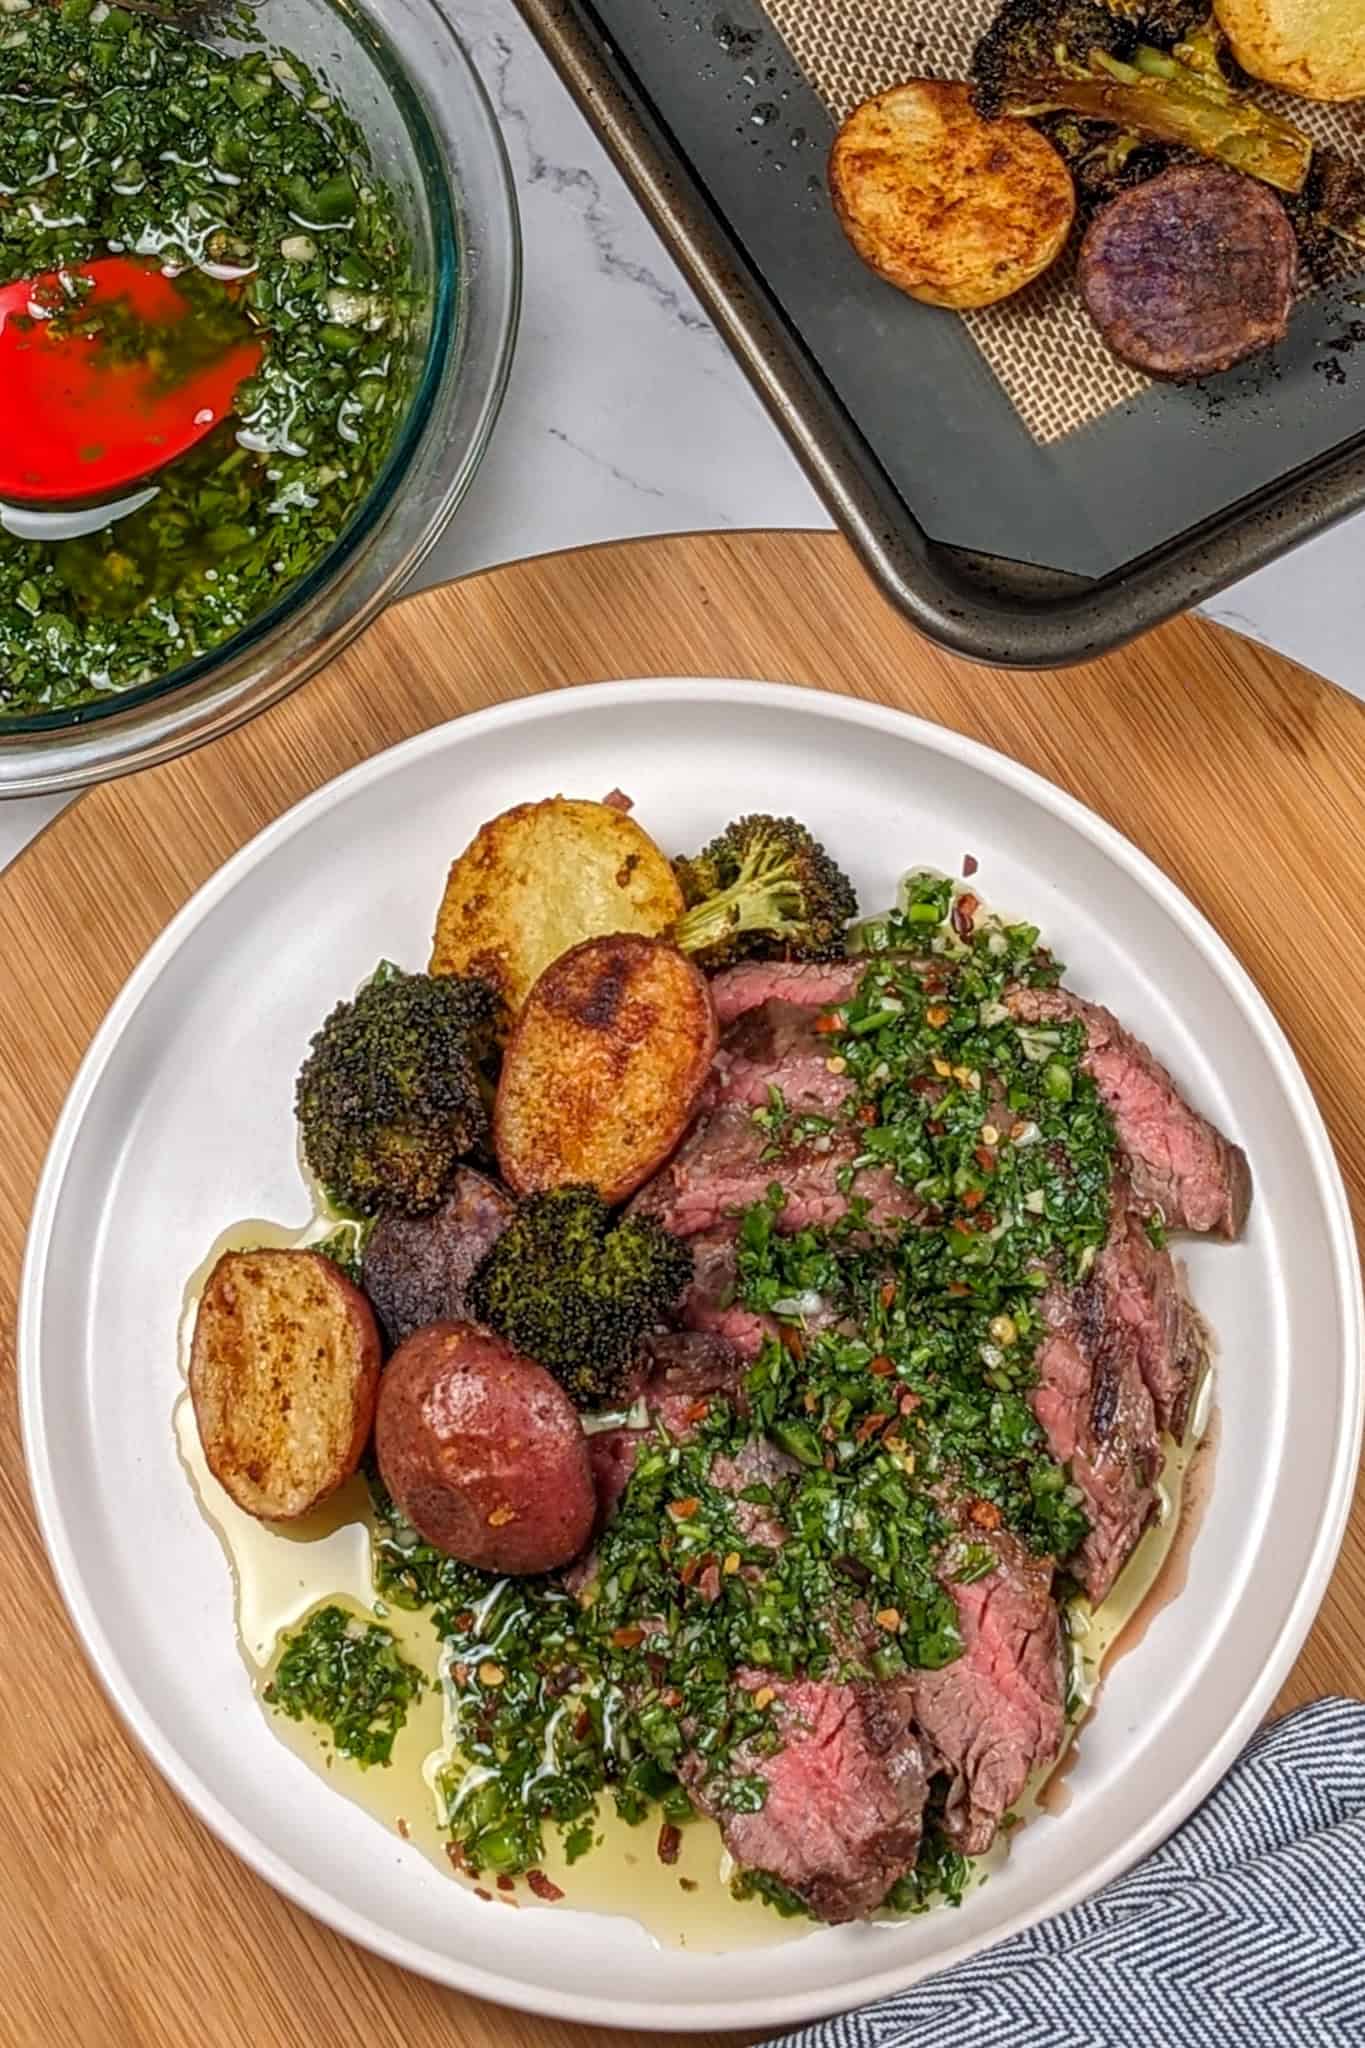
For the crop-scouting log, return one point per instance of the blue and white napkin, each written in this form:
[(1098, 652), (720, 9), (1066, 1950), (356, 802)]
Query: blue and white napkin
[(1245, 1930)]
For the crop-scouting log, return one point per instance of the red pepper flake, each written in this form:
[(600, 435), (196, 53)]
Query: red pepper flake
[(985, 1222), (965, 908), (544, 1887), (984, 1158), (829, 1023), (888, 1295), (970, 864), (627, 1638), (688, 1571), (882, 1367), (867, 1113), (698, 1411), (973, 1198), (670, 1842), (958, 1287), (985, 1514), (935, 1126), (793, 1342), (670, 1697), (465, 1621), (582, 1727), (683, 1510), (455, 1851), (869, 1426), (480, 1893), (657, 1665), (506, 1884)]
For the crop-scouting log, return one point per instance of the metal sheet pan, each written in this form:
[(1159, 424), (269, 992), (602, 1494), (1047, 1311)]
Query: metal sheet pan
[(1004, 550)]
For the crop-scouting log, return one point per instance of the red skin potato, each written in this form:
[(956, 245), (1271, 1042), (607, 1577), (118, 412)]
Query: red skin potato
[(484, 1452)]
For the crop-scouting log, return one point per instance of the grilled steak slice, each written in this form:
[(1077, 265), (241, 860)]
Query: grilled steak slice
[(722, 1169), (709, 1306), (776, 1045), (692, 1362), (1179, 1163), (1145, 1290), (992, 1717), (1094, 1406), (816, 984), (416, 1268), (844, 1794)]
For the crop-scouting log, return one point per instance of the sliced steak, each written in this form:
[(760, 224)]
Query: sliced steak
[(1145, 1290), (994, 1716), (1096, 1412), (693, 1361), (1179, 1162), (416, 1268), (709, 1307), (723, 1168), (844, 1803), (816, 984), (776, 1045)]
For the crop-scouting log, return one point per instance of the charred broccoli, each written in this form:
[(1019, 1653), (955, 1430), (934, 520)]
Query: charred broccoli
[(577, 1291), (395, 1090), (1095, 61), (1103, 161), (766, 888)]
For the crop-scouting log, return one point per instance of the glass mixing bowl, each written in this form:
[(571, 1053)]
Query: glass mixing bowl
[(408, 84)]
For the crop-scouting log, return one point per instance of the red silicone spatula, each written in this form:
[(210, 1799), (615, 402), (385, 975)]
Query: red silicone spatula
[(86, 411)]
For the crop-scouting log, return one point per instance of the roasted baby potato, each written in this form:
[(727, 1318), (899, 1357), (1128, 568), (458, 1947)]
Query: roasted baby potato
[(284, 1373), (542, 878), (1315, 48), (604, 1067), (952, 209), (484, 1452)]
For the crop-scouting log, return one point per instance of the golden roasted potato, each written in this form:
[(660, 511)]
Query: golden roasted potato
[(954, 210), (604, 1067), (1315, 48), (284, 1374), (542, 878)]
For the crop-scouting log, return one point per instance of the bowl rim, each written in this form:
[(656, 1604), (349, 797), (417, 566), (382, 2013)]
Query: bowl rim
[(777, 2009), (35, 738)]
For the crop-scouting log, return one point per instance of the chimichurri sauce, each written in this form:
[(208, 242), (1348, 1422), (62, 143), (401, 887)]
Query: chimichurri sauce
[(123, 135), (885, 1433)]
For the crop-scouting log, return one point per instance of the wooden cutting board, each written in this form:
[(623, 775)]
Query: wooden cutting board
[(123, 1924)]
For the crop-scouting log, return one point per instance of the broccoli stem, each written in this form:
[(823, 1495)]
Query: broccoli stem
[(765, 897), (1158, 97)]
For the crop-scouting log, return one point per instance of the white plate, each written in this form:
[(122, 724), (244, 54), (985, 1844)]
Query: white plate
[(180, 1121)]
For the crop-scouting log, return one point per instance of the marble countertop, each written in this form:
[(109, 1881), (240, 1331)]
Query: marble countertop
[(627, 416)]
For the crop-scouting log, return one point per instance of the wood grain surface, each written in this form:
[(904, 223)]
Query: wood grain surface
[(123, 1923)]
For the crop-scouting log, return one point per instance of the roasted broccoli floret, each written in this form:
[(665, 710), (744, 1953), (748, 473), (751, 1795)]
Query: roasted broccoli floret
[(1081, 57), (395, 1090), (764, 888), (577, 1291), (1103, 161)]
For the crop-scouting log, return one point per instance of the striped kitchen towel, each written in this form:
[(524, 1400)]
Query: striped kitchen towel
[(1245, 1930)]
